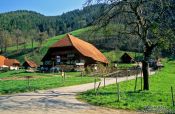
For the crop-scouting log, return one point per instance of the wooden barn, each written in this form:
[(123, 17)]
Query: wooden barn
[(71, 52), (29, 64), (126, 58)]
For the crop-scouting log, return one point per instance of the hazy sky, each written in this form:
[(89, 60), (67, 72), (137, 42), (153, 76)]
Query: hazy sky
[(46, 7)]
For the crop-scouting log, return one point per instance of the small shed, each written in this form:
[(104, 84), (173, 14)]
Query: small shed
[(29, 64), (126, 58)]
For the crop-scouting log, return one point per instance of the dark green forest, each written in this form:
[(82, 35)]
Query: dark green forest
[(19, 27)]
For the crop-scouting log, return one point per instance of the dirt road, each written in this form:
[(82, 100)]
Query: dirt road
[(56, 101)]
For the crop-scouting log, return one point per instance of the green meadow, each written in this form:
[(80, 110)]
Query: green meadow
[(16, 81), (158, 99)]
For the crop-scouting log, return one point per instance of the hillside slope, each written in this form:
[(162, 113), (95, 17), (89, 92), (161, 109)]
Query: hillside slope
[(34, 53)]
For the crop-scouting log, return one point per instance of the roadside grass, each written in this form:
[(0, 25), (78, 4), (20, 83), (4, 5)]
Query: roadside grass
[(125, 66), (39, 81), (158, 99)]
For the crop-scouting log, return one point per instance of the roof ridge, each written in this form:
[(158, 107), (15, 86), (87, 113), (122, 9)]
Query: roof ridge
[(69, 36)]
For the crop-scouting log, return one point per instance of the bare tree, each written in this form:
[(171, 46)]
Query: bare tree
[(7, 40), (41, 38), (144, 19), (17, 35), (33, 35), (1, 40)]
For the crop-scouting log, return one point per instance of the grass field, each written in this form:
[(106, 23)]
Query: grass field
[(15, 81), (158, 99)]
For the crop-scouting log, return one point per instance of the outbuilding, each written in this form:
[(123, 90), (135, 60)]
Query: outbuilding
[(12, 64), (126, 58), (28, 64)]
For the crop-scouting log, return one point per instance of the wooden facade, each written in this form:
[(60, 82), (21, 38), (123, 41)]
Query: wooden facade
[(68, 55)]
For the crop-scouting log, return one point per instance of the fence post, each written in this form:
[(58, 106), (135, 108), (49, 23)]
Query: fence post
[(128, 74), (28, 81), (104, 81), (118, 89), (136, 81), (82, 74), (172, 96), (64, 76), (97, 88), (141, 79), (95, 84)]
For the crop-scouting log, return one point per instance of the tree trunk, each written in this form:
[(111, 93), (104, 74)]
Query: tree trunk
[(5, 48), (145, 69), (32, 42), (1, 50), (17, 43), (145, 65)]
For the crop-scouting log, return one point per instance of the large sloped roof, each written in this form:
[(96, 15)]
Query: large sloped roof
[(83, 47)]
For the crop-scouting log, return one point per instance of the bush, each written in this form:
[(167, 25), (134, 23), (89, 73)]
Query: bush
[(4, 70)]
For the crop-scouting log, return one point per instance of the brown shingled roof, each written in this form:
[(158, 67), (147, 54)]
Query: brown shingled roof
[(83, 47), (62, 43), (31, 64), (11, 62)]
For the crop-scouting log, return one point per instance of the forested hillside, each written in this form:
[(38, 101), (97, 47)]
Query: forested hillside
[(23, 26), (54, 25)]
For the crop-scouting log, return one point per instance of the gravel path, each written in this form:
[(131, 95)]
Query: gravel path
[(56, 101)]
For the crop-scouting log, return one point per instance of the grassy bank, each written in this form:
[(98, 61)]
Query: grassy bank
[(15, 81), (158, 99)]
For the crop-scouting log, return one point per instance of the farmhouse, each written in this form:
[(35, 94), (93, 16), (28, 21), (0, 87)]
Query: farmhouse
[(71, 52), (29, 64), (126, 58), (12, 64)]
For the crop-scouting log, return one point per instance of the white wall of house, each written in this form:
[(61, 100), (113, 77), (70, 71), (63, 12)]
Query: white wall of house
[(14, 68)]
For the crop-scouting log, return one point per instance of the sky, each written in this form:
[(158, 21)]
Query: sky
[(46, 7)]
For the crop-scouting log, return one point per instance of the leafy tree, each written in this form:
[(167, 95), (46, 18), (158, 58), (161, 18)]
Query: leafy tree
[(144, 19)]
